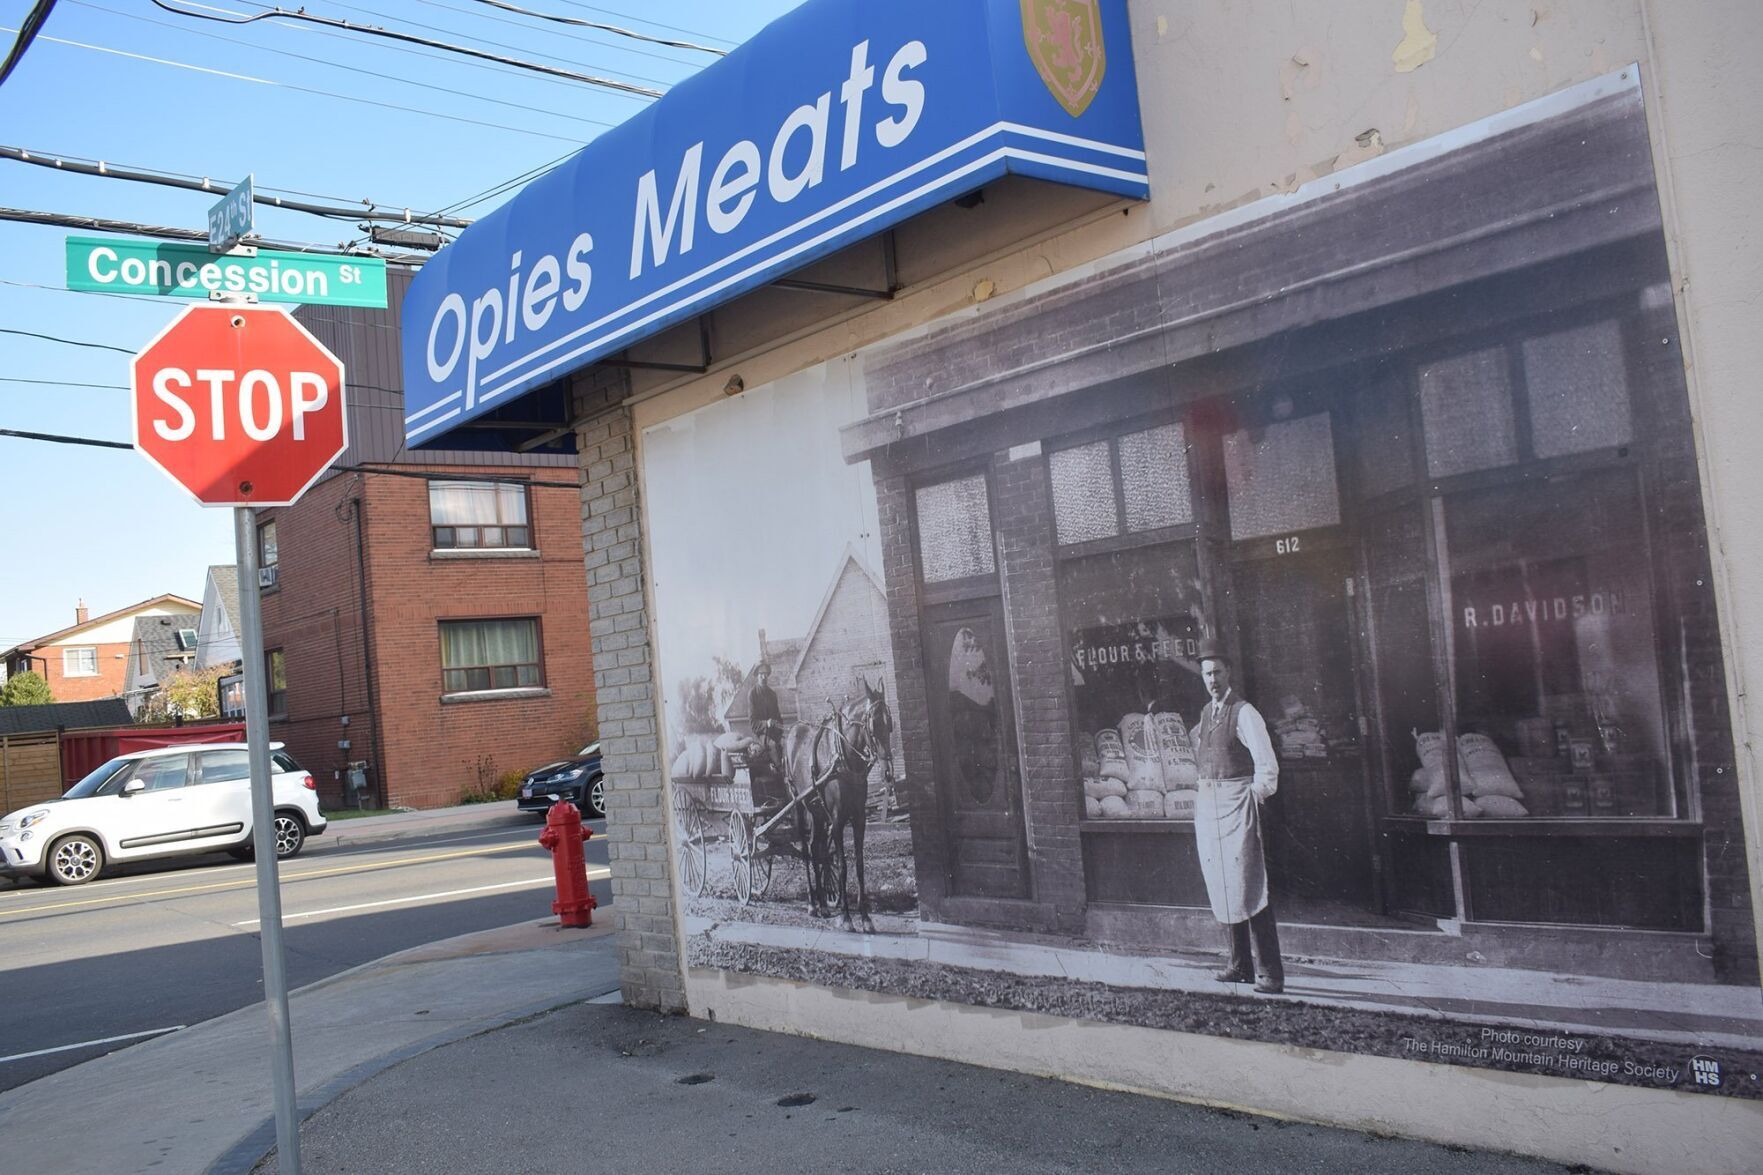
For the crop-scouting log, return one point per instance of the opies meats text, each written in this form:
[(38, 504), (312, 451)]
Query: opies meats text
[(802, 150)]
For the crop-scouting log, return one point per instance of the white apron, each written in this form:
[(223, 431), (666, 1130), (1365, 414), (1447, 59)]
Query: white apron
[(1227, 832)]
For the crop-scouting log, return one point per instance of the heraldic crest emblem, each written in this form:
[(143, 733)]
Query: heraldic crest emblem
[(1064, 39)]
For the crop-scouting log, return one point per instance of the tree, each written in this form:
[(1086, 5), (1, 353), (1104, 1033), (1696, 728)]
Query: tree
[(187, 695), (25, 689)]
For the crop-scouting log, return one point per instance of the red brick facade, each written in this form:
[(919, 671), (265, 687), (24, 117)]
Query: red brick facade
[(424, 750), (49, 660)]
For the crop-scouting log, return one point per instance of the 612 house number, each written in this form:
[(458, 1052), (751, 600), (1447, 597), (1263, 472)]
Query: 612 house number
[(1290, 545)]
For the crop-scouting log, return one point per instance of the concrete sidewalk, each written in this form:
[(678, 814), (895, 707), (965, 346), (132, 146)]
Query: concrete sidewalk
[(200, 1099), (491, 1053)]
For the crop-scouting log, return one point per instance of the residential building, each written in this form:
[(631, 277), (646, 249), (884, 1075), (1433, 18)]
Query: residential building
[(217, 634), (91, 658), (424, 619), (160, 646)]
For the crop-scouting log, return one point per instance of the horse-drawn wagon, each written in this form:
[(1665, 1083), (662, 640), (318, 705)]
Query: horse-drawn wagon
[(799, 808), (751, 810)]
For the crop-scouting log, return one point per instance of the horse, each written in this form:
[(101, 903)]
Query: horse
[(827, 768)]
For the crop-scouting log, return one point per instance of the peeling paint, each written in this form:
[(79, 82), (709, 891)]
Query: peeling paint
[(1367, 145), (1419, 43), (984, 289), (1536, 53), (1162, 27)]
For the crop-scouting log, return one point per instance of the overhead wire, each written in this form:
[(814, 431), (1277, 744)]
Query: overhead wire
[(420, 475), (645, 20), (103, 170), (588, 24), (303, 89), (280, 14), (352, 39), (171, 233), (61, 383), (482, 40), (373, 73), (27, 32), (31, 334)]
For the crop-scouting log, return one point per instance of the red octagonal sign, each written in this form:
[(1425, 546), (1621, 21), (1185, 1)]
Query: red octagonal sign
[(239, 405)]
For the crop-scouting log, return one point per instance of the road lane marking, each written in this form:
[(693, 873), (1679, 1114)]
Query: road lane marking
[(86, 1044), (125, 898), (593, 874)]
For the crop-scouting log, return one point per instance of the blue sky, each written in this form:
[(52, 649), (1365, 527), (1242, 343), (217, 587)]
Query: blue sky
[(153, 90)]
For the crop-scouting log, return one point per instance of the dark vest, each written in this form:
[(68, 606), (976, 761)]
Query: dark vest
[(1217, 750)]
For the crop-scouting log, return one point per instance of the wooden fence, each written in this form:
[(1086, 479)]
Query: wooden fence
[(30, 769)]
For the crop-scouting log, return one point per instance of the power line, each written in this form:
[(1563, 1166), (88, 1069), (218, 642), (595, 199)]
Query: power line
[(645, 20), (103, 225), (504, 44), (241, 77), (92, 442), (592, 24), (373, 73), (221, 187), (351, 39), (412, 38), (27, 32), (6, 281), (62, 383), (495, 190), (31, 334)]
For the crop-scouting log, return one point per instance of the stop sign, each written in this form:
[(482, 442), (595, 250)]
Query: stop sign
[(239, 405)]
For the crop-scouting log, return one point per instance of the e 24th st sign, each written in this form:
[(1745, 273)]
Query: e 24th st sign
[(240, 405)]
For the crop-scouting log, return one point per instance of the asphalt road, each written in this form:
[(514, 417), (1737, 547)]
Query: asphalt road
[(90, 969)]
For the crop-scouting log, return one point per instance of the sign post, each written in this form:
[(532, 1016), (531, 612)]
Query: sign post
[(242, 407)]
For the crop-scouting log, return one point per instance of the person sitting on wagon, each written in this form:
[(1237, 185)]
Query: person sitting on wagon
[(767, 723)]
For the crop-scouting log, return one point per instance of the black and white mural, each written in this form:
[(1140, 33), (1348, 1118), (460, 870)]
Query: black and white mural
[(1299, 628)]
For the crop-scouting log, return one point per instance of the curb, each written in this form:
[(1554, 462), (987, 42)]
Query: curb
[(459, 947), (256, 1144)]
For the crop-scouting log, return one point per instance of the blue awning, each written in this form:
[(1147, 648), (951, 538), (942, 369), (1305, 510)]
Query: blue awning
[(835, 123)]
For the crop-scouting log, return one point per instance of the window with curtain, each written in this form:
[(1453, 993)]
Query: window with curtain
[(1126, 485), (490, 655), (479, 514), (268, 549), (79, 662)]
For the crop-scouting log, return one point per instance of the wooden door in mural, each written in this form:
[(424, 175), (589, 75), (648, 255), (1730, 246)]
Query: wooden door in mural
[(973, 737)]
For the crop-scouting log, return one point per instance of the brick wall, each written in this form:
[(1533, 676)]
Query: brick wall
[(1039, 668), (314, 617), (930, 854), (424, 752), (113, 667), (637, 819)]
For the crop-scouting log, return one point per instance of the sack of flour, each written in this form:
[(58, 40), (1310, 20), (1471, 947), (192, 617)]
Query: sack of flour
[(1114, 807), (1111, 755), (1179, 805), (1144, 770), (1484, 769), (1175, 750), (1092, 808), (1146, 803)]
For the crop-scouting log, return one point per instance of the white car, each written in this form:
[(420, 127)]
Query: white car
[(167, 802)]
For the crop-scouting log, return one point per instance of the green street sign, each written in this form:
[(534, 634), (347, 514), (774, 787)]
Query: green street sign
[(128, 266)]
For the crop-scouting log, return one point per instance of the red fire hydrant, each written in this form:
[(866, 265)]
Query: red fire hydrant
[(564, 836)]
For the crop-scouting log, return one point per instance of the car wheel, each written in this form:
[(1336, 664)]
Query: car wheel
[(597, 797), (290, 834), (75, 860)]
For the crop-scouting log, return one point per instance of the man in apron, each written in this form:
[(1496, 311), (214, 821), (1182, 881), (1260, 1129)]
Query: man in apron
[(1238, 773)]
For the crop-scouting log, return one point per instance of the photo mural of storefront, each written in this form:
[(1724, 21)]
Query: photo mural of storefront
[(1301, 625), (1446, 500)]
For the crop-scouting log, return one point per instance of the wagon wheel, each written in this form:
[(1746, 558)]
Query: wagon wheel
[(740, 854), (694, 852), (762, 872)]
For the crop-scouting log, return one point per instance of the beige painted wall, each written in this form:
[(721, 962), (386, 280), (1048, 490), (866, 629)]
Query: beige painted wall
[(1243, 101)]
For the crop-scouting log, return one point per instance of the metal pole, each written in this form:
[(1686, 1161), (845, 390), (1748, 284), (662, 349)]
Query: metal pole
[(269, 894)]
